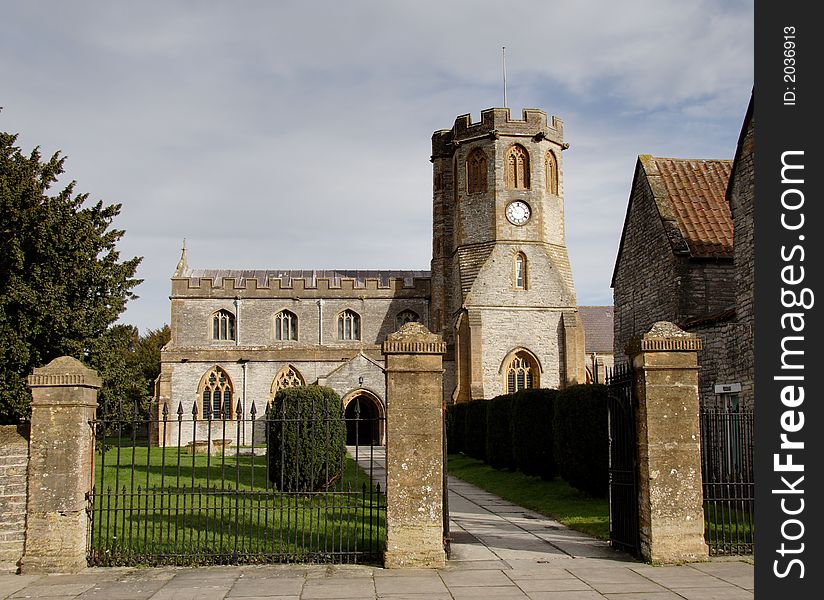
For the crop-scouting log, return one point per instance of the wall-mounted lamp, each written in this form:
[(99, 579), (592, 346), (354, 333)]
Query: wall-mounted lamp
[(360, 381)]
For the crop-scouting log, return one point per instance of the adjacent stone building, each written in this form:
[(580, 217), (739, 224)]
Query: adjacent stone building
[(686, 256), (500, 292), (599, 341)]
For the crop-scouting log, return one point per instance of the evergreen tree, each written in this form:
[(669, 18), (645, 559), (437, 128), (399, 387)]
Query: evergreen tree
[(62, 283)]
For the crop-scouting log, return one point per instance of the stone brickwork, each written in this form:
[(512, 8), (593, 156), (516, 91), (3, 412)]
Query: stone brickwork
[(659, 277), (741, 194), (656, 277), (645, 282), (670, 494), (472, 278), (254, 358), (414, 448), (14, 461), (476, 305), (681, 270), (61, 450)]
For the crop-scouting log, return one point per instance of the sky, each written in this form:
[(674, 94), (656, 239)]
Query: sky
[(297, 135)]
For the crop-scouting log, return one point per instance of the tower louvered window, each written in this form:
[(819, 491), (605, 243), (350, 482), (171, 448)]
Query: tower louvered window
[(476, 168), (551, 168), (517, 168)]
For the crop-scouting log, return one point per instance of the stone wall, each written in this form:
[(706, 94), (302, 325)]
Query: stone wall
[(742, 203), (653, 283), (192, 323), (474, 247), (14, 460), (717, 357), (645, 283)]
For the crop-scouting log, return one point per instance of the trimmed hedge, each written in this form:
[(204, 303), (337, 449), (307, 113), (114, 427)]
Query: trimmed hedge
[(582, 438), (532, 417), (475, 431), (456, 427), (499, 432), (306, 441)]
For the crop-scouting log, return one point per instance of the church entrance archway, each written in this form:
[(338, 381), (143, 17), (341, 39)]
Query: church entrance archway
[(364, 419)]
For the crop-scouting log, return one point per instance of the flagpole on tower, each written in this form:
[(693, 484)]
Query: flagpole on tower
[(503, 60)]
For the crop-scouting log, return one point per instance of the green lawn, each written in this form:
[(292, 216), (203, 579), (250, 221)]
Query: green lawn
[(554, 498), (176, 508)]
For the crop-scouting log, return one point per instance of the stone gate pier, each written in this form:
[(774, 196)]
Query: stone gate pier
[(414, 448)]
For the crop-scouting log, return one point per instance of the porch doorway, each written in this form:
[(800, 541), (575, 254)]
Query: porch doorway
[(364, 421)]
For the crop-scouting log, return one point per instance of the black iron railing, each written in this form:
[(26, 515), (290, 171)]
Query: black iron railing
[(727, 472), (183, 489), (624, 528)]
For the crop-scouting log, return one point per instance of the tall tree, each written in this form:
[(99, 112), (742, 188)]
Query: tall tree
[(62, 283)]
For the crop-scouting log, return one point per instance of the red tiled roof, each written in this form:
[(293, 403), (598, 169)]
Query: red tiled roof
[(697, 190), (598, 330)]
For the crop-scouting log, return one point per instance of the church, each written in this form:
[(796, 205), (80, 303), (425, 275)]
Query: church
[(500, 292)]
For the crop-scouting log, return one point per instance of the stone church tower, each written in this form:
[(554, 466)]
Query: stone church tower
[(502, 290)]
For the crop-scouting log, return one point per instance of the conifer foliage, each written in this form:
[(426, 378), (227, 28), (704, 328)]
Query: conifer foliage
[(62, 283)]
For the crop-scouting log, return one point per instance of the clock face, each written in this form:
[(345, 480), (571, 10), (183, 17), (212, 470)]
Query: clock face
[(517, 212)]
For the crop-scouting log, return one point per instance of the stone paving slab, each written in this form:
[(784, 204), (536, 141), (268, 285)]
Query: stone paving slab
[(496, 554)]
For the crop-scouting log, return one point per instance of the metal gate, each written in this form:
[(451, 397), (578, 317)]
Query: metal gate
[(228, 485), (727, 473), (624, 526)]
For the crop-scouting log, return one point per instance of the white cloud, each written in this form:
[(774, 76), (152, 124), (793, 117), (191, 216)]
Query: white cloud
[(296, 134)]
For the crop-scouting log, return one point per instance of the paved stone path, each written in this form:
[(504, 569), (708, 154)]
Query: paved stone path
[(499, 551)]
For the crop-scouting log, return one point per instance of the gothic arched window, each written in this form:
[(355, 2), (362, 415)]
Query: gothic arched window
[(286, 326), (551, 168), (406, 316), (521, 372), (519, 271), (349, 325), (517, 168), (223, 325), (216, 395), (287, 377), (476, 171)]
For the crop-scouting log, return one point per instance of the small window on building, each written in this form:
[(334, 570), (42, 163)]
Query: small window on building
[(349, 325), (286, 326), (223, 325), (216, 395), (519, 271), (517, 168), (476, 168), (551, 168), (521, 373), (406, 316)]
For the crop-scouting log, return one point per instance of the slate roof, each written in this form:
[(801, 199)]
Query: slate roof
[(697, 192), (598, 330), (310, 276)]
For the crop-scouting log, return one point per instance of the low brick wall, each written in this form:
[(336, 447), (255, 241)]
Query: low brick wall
[(14, 459)]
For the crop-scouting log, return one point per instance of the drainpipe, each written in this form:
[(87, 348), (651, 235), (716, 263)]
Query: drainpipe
[(243, 403), (237, 321), (320, 322)]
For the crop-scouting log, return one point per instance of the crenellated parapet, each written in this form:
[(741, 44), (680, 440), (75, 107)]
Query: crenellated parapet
[(496, 123), (303, 284)]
